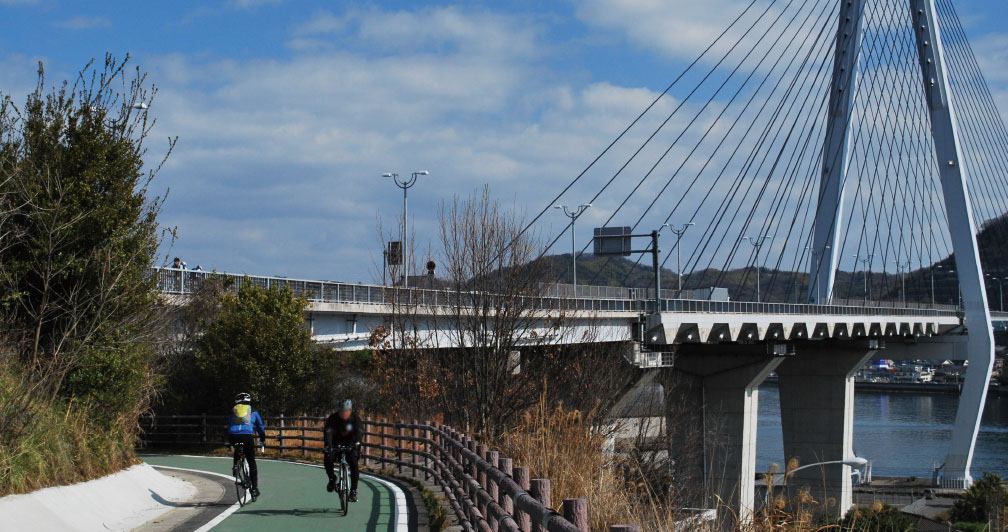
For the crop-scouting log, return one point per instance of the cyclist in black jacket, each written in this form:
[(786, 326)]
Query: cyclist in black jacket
[(343, 428)]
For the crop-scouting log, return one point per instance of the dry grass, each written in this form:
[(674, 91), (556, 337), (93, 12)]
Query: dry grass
[(569, 449), (57, 442)]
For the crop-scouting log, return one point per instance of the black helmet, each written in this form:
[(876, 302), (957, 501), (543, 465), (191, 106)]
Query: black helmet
[(243, 398)]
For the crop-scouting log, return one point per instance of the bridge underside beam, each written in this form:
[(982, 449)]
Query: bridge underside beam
[(817, 417), (711, 398)]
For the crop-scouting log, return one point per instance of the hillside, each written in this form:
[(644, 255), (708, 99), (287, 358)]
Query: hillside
[(788, 286)]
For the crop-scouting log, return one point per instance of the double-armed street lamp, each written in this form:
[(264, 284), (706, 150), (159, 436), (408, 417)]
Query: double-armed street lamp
[(864, 268), (902, 276), (405, 184), (679, 232), (573, 213), (757, 243)]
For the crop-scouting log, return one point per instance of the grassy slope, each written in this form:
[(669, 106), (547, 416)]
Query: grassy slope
[(55, 443)]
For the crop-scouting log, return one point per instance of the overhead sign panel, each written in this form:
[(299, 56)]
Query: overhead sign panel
[(612, 241)]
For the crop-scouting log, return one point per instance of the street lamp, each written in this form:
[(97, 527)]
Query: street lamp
[(855, 462), (405, 184), (1000, 281), (951, 272), (573, 215), (678, 233), (899, 272), (864, 269), (757, 243)]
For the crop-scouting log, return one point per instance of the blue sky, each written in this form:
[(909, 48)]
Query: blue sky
[(288, 112)]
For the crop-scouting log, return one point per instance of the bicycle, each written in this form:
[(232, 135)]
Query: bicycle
[(241, 476), (343, 478)]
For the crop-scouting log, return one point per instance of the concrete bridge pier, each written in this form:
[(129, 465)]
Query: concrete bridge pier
[(711, 397), (817, 417)]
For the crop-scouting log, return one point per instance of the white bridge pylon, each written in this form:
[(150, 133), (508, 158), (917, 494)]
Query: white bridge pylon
[(961, 222)]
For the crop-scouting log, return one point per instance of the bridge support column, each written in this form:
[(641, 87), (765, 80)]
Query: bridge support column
[(711, 400), (817, 418)]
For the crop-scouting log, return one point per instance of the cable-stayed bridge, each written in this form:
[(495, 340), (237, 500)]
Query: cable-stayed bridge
[(818, 137)]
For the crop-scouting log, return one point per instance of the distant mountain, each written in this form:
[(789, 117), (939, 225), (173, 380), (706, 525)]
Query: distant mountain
[(789, 286)]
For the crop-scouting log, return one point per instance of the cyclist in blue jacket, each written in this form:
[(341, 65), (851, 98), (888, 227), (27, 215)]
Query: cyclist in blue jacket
[(243, 424)]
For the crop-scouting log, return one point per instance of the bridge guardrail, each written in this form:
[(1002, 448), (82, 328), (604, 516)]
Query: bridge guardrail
[(487, 493), (183, 282)]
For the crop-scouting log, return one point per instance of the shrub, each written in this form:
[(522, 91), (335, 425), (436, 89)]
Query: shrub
[(877, 518), (986, 495)]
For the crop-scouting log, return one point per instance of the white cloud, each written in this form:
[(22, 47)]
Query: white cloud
[(278, 164), (83, 22), (678, 28)]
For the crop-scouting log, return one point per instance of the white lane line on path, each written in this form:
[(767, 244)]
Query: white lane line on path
[(221, 516), (400, 508)]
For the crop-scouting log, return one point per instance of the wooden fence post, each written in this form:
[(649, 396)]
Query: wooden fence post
[(280, 434), (400, 442), (506, 465), (365, 439), (304, 434), (203, 427), (480, 476), (491, 487), (576, 511), (521, 477), (428, 436), (541, 492), (384, 441), (415, 445)]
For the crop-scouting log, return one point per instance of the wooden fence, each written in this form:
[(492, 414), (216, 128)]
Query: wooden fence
[(489, 493)]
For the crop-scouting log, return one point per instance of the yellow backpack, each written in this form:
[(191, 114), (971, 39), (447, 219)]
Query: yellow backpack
[(242, 414)]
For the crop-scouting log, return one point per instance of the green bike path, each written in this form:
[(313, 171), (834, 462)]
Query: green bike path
[(294, 498)]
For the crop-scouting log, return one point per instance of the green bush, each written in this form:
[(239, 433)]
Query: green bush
[(877, 518), (984, 495), (972, 527)]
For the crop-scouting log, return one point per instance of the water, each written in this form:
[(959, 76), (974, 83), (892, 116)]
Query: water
[(902, 433)]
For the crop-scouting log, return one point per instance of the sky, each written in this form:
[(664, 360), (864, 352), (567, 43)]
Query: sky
[(287, 113)]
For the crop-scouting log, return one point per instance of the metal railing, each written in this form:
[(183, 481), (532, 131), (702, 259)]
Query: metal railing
[(488, 493), (183, 282)]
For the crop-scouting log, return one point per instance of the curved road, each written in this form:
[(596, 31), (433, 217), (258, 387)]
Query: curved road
[(294, 498)]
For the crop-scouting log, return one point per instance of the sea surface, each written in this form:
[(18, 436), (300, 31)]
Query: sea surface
[(903, 434)]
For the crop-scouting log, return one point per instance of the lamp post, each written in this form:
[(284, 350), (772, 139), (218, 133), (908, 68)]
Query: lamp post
[(405, 184), (952, 271), (679, 232), (864, 269), (899, 272), (573, 214), (1000, 281), (853, 462), (757, 243)]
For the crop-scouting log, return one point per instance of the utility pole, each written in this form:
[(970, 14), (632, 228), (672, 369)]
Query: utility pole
[(678, 233), (573, 214), (405, 184), (757, 243)]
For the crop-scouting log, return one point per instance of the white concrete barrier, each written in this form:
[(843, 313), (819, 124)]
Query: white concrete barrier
[(121, 501)]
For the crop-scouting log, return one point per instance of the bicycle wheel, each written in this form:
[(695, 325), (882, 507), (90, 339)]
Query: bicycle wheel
[(344, 488), (242, 481)]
